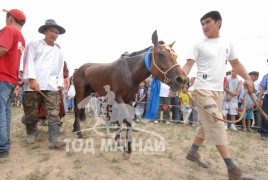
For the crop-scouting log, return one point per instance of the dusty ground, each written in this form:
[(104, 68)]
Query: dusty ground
[(147, 161)]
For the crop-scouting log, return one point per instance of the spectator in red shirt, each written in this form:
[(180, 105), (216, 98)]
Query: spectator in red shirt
[(12, 44)]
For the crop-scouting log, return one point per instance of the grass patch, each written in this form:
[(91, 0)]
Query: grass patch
[(172, 156), (259, 167), (115, 160), (117, 170), (37, 174), (78, 164), (45, 157)]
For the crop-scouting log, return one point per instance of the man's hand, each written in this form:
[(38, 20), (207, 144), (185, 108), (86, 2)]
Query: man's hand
[(259, 102), (34, 85), (249, 85)]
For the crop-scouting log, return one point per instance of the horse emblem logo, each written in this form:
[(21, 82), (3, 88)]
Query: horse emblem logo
[(107, 111)]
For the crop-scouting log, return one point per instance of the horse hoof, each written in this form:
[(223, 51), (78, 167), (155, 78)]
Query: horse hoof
[(126, 156), (80, 137)]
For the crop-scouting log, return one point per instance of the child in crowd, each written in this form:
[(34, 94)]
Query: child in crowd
[(248, 117), (186, 104), (140, 100), (70, 95)]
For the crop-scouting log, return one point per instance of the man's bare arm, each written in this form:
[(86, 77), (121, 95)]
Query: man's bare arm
[(188, 66)]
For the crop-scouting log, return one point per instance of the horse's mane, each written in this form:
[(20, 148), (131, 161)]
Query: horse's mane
[(139, 52), (125, 55), (142, 51)]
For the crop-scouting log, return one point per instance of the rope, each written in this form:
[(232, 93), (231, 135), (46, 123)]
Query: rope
[(227, 121), (241, 115), (258, 106)]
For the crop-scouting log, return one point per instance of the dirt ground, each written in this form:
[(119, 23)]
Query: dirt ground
[(158, 153)]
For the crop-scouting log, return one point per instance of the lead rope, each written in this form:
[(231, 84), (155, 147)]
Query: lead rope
[(258, 106), (241, 115)]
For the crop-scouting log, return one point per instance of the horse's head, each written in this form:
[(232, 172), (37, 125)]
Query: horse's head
[(164, 65)]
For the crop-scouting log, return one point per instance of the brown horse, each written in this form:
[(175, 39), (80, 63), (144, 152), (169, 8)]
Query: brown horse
[(124, 76)]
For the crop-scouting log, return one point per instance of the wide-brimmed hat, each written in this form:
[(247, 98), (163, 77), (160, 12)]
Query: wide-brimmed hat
[(17, 14), (51, 23)]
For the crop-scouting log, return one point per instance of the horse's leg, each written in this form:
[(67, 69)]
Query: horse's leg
[(82, 113), (80, 94), (127, 148), (76, 124), (128, 120), (118, 135)]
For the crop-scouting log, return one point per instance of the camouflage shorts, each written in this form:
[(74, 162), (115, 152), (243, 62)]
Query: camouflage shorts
[(31, 101)]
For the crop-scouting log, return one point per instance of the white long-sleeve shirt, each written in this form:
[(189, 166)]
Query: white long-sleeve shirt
[(43, 63)]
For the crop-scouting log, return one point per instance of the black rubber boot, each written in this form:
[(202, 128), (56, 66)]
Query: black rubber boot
[(31, 130), (53, 134)]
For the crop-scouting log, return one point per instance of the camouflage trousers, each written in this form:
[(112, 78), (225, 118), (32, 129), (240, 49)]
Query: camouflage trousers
[(31, 101)]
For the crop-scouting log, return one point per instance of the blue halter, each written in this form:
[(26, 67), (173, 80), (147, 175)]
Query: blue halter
[(153, 105)]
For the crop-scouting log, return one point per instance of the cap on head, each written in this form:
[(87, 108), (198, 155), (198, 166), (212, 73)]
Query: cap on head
[(17, 14), (51, 23)]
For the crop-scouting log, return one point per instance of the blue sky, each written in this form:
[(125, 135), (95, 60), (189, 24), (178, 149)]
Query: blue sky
[(100, 31)]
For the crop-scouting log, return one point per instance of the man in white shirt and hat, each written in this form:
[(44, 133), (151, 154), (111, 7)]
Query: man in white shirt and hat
[(43, 76)]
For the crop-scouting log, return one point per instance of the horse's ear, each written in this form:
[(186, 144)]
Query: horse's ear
[(155, 38), (171, 45)]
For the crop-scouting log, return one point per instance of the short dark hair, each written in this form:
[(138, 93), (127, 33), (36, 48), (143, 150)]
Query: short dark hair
[(215, 15), (254, 73), (228, 73)]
